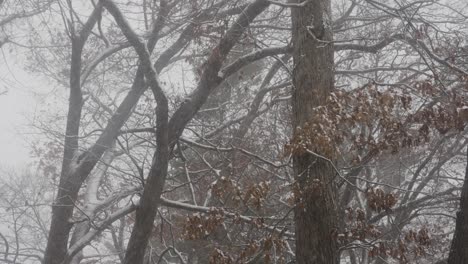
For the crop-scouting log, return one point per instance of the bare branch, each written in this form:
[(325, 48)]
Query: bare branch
[(290, 5)]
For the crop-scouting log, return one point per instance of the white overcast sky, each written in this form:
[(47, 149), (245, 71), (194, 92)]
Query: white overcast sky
[(16, 109)]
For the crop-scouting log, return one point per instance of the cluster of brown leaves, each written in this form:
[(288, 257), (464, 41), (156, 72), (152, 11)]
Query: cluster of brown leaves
[(255, 251), (384, 249), (378, 200), (346, 117), (219, 257), (256, 194), (413, 244), (198, 226), (264, 249), (420, 237), (357, 228), (279, 246), (228, 190), (443, 118), (368, 118), (250, 250), (224, 188)]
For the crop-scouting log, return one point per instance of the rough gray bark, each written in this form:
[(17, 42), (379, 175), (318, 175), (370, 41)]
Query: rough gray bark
[(91, 202), (147, 209), (62, 209), (459, 248), (75, 169), (313, 80)]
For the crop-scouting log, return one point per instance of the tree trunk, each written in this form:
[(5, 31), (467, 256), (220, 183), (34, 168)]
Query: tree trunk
[(313, 79), (69, 185), (459, 248)]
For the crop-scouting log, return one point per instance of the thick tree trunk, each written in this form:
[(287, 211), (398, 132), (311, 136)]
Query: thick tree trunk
[(459, 248), (69, 185), (76, 169), (315, 214)]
